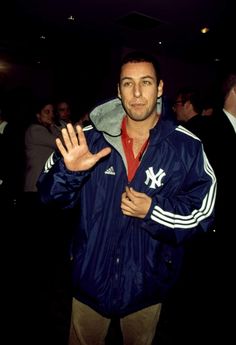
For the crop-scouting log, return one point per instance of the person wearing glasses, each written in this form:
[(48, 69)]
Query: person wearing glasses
[(188, 108)]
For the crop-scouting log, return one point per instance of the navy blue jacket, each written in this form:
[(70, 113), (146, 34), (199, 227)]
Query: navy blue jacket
[(123, 264)]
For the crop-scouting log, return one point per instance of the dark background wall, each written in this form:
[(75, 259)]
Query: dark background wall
[(87, 75)]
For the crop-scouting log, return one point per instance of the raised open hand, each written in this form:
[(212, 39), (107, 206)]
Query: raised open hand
[(75, 152)]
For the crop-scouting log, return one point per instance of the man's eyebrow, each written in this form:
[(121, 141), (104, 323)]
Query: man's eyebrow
[(143, 77)]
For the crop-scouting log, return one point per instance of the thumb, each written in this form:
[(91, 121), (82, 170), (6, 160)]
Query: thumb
[(104, 152)]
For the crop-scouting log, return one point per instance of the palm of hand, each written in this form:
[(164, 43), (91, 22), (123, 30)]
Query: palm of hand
[(75, 152), (79, 158)]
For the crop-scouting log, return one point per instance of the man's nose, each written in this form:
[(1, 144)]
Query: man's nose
[(137, 90)]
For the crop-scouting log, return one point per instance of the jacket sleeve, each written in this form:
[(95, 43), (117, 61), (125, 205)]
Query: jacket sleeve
[(177, 217), (56, 184)]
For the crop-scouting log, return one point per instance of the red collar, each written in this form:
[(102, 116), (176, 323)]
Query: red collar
[(132, 162)]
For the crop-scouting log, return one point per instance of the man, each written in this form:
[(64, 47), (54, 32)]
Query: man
[(220, 147), (222, 154), (63, 111), (199, 260), (144, 185), (188, 109)]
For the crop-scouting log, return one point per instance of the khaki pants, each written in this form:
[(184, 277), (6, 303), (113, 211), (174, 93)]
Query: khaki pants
[(90, 328)]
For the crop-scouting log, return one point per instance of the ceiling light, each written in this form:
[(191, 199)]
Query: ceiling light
[(72, 18), (205, 30)]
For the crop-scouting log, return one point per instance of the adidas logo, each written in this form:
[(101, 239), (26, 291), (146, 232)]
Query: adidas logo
[(110, 171)]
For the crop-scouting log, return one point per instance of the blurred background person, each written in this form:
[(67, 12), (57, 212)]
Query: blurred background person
[(188, 110), (43, 244), (40, 139), (188, 107), (63, 111)]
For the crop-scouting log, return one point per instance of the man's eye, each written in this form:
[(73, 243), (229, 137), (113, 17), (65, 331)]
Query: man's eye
[(146, 82), (127, 83)]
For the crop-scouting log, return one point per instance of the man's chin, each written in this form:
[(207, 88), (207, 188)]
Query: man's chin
[(138, 117)]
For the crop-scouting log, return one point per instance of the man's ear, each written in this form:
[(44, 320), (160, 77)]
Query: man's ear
[(160, 88), (118, 91)]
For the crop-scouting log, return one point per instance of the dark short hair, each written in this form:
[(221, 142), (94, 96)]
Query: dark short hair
[(41, 103), (139, 56), (228, 83), (188, 93)]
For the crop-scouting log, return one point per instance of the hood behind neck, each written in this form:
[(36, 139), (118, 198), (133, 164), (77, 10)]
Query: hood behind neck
[(108, 116)]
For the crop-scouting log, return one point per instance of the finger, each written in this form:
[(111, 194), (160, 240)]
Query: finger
[(129, 194), (128, 213), (123, 196), (128, 204), (125, 208), (61, 147), (72, 134), (66, 138), (81, 136), (135, 193)]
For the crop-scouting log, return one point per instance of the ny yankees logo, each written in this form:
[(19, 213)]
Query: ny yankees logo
[(156, 180)]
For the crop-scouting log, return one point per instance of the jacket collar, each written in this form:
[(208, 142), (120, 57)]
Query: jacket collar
[(108, 117)]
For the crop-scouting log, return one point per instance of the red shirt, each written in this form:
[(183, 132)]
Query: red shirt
[(132, 162)]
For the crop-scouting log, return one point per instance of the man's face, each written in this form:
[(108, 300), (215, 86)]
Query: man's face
[(181, 109), (63, 111), (46, 115), (138, 90)]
